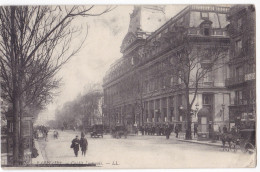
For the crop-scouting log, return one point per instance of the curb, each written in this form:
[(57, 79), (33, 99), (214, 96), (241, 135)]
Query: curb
[(208, 144)]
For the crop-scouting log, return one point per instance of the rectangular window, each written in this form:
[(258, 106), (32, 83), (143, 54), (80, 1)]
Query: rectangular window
[(172, 80), (204, 15), (207, 99), (239, 24), (239, 97), (238, 46), (179, 99), (238, 73), (218, 32), (152, 112), (180, 77), (207, 77)]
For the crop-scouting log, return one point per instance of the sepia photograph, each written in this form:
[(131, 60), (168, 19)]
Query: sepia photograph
[(137, 86)]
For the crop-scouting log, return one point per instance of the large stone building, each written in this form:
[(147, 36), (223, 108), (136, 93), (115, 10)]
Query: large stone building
[(242, 64), (145, 86)]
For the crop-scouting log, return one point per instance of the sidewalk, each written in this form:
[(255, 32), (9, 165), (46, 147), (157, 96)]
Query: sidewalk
[(39, 158), (209, 143), (217, 143)]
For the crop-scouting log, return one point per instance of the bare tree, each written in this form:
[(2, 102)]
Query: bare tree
[(35, 41), (192, 63)]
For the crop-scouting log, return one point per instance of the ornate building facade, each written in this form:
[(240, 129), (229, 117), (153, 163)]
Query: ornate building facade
[(242, 64), (145, 85)]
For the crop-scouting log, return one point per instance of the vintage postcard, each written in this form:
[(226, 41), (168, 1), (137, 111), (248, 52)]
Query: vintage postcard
[(128, 86)]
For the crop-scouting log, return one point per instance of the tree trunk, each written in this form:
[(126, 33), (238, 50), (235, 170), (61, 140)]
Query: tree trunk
[(21, 145), (188, 129), (16, 130), (14, 63)]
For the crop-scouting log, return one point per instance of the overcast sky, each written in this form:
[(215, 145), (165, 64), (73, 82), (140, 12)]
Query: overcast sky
[(100, 50)]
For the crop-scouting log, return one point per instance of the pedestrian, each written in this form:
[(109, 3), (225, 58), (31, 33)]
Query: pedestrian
[(195, 129), (45, 133), (177, 131), (83, 145), (153, 130), (157, 130), (142, 130), (167, 132), (75, 145), (82, 133), (225, 129)]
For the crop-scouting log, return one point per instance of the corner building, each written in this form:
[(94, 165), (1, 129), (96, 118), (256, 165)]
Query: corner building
[(139, 88), (242, 64)]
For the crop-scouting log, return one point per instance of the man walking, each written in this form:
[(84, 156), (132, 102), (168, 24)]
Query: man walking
[(83, 145), (177, 130), (75, 145), (167, 132)]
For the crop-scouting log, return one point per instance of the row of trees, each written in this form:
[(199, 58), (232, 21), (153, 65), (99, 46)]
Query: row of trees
[(35, 42), (79, 112)]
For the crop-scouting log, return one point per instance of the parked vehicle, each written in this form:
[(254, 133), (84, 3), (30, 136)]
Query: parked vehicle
[(119, 131), (97, 130), (247, 140)]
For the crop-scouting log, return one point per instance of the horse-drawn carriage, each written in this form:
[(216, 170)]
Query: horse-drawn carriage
[(247, 140), (119, 131), (244, 139)]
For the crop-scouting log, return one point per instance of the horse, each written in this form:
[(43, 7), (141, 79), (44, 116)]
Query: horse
[(231, 139)]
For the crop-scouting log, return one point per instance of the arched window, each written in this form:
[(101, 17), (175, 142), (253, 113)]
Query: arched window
[(205, 27)]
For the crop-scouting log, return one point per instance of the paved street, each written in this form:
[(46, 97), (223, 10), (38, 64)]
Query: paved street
[(139, 152)]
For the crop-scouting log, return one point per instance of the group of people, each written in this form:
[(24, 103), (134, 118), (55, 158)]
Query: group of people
[(82, 143), (177, 129), (159, 130), (41, 131)]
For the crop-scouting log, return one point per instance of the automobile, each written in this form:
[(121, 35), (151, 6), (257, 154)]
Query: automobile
[(97, 130), (119, 131)]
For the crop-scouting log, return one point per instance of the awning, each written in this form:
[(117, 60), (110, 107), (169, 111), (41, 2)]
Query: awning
[(203, 112)]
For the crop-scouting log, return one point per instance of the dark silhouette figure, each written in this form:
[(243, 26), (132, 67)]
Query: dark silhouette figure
[(75, 145), (167, 132), (177, 131), (83, 145), (225, 129)]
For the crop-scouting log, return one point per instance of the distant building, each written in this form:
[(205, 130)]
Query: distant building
[(97, 114), (242, 64)]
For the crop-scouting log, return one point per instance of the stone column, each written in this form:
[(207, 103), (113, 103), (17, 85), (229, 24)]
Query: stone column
[(167, 109), (154, 107), (121, 114), (149, 113), (161, 110)]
